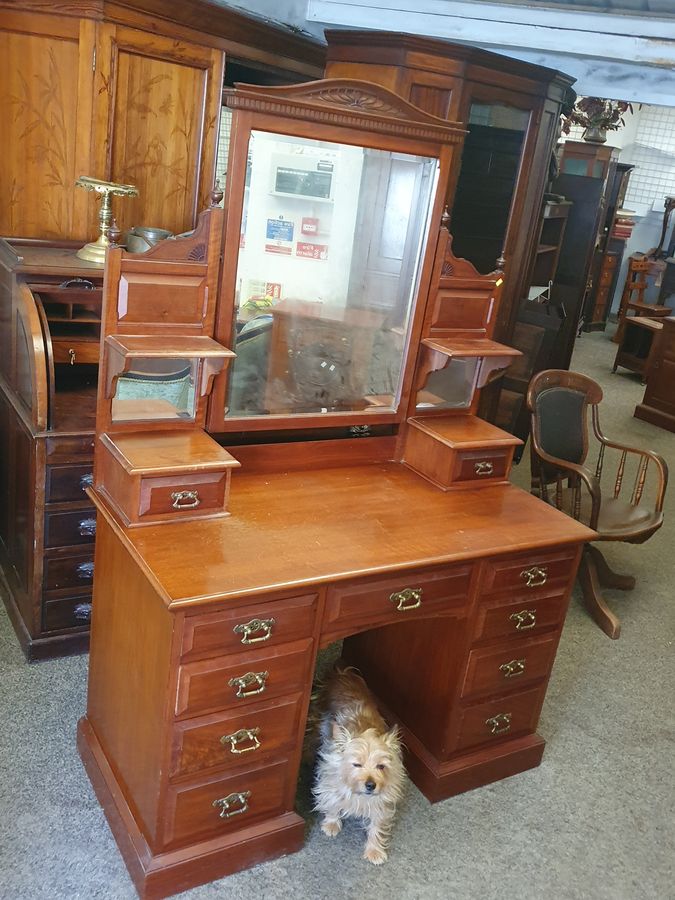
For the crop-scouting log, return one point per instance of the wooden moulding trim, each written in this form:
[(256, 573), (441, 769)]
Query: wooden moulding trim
[(346, 102), (434, 428), (463, 347)]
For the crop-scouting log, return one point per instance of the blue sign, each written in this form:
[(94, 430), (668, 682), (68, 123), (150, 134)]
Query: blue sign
[(279, 230)]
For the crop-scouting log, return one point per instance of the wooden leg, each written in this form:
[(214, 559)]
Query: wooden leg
[(595, 603), (608, 577)]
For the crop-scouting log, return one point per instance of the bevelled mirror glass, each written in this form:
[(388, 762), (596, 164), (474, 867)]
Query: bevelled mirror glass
[(155, 389), (330, 251)]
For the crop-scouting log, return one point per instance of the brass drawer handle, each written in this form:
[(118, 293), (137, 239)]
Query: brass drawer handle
[(499, 724), (71, 356), (535, 576), (525, 619), (86, 481), (242, 682), (239, 737), (87, 527), (185, 499), (483, 468), (85, 570), (246, 629), (225, 804), (513, 669), (410, 598), (82, 612)]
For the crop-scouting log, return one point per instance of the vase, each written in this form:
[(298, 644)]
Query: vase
[(595, 135)]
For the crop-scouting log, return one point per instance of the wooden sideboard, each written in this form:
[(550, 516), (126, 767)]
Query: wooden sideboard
[(205, 637)]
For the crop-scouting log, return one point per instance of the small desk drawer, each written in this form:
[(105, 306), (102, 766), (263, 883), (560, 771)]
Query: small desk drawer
[(498, 720), (397, 598), (74, 351), (224, 804), (73, 570), (237, 738), (68, 482), (531, 573), (65, 528), (236, 680), (175, 496), (524, 616), (254, 627), (510, 666), (66, 612), (483, 465)]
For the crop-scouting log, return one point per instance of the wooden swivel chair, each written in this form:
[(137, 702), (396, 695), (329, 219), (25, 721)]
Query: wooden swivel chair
[(559, 404)]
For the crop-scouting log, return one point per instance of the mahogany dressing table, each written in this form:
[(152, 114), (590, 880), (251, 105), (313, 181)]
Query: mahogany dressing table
[(370, 505)]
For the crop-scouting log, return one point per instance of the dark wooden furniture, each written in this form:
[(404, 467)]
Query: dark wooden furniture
[(639, 345), (628, 510), (50, 313), (658, 403), (633, 302), (205, 632)]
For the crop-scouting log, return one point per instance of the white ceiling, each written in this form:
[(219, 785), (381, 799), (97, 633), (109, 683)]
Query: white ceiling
[(649, 7)]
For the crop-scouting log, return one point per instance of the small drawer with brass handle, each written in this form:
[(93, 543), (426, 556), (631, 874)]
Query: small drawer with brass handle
[(409, 598), (67, 482), (249, 684), (233, 804), (495, 668), (185, 499), (476, 464), (269, 623), (60, 612), (240, 679), (499, 724), (74, 352), (499, 719), (67, 569), (369, 602), (508, 617), (228, 739), (256, 631), (220, 803), (483, 467), (549, 572), (65, 528)]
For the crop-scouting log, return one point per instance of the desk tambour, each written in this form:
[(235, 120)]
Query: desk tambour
[(205, 635)]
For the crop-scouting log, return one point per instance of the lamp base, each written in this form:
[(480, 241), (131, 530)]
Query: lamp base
[(94, 251)]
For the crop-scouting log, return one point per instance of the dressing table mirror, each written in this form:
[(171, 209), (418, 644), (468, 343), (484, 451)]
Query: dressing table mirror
[(368, 503)]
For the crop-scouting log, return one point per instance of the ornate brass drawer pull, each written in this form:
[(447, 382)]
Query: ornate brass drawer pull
[(82, 612), (483, 468), (185, 499), (242, 682), (239, 737), (246, 629), (86, 481), (499, 724), (513, 669), (225, 804), (85, 570), (87, 527), (535, 576), (525, 619), (410, 598)]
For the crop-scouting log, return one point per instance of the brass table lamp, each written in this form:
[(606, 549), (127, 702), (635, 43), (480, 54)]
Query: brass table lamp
[(95, 250)]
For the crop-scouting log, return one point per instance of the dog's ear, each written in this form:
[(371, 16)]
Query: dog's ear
[(393, 738), (340, 735)]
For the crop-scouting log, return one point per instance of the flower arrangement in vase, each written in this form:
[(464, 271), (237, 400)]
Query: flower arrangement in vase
[(597, 117)]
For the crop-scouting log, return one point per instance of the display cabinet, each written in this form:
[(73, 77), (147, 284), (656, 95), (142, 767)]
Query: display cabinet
[(362, 344)]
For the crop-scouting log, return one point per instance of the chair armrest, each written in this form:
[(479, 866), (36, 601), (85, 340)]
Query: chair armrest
[(591, 482), (659, 462)]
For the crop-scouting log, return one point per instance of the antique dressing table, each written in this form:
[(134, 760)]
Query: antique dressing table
[(352, 493)]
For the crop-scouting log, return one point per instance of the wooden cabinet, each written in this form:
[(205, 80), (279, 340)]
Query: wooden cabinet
[(658, 403), (122, 93)]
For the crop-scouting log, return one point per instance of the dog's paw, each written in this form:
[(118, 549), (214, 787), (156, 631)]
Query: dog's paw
[(375, 855), (331, 827)]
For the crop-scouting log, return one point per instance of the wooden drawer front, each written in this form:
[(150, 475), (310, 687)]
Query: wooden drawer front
[(213, 683), (238, 738), (498, 720), (74, 352), (398, 598), (256, 627), (522, 616), (76, 570), (65, 528), (530, 574), (224, 804), (66, 612), (68, 482), (482, 465), (65, 448), (176, 495), (498, 669)]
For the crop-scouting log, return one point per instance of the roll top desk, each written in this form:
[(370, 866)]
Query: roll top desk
[(370, 504)]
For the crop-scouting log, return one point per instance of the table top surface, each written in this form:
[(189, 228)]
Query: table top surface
[(297, 529)]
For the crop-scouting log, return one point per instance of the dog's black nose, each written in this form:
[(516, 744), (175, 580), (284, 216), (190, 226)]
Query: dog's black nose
[(370, 786)]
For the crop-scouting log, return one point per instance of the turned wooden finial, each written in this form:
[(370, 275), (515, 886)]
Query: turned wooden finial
[(114, 234), (217, 193)]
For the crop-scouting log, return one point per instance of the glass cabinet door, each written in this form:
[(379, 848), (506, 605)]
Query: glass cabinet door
[(330, 250)]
